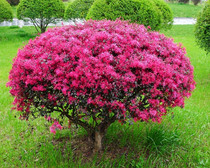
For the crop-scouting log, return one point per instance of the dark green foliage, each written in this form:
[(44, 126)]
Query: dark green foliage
[(41, 12), (202, 28), (78, 9), (166, 13), (184, 1), (195, 2), (5, 11), (13, 2), (140, 11), (98, 10)]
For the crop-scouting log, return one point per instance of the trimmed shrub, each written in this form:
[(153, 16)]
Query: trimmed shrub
[(41, 12), (140, 11), (202, 28), (100, 72), (166, 14), (78, 9), (13, 2), (5, 11)]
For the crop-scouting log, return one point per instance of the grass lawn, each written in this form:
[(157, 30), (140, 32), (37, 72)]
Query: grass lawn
[(181, 140), (185, 10)]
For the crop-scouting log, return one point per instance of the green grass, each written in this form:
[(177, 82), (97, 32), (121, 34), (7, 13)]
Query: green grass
[(181, 140), (185, 10)]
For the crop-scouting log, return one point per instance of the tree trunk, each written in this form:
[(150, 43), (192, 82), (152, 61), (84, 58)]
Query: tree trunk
[(98, 140), (100, 132), (184, 1), (195, 2), (43, 29)]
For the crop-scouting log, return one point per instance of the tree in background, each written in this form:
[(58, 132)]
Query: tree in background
[(41, 12), (195, 2), (202, 28), (100, 72), (166, 14), (5, 11), (78, 9), (184, 1), (13, 2), (139, 11)]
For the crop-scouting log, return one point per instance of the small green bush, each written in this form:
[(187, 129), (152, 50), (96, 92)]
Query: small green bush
[(166, 14), (41, 12), (140, 11), (202, 28), (5, 11), (78, 9)]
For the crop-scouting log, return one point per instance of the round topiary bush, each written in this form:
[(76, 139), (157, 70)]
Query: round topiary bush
[(5, 11), (99, 72), (202, 28), (13, 2), (78, 9), (166, 14), (140, 11), (41, 12)]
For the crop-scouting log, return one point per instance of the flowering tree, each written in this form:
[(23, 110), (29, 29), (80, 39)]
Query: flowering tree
[(100, 72)]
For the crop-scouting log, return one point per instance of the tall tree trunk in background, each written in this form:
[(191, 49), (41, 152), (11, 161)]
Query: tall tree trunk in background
[(13, 2), (195, 2), (43, 29), (184, 1)]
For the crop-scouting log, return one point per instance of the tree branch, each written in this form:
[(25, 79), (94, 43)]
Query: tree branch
[(35, 25), (76, 120)]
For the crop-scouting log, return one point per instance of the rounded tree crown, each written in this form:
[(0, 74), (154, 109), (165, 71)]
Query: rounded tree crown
[(166, 14), (78, 9), (202, 28), (34, 9), (101, 69), (138, 11), (5, 11)]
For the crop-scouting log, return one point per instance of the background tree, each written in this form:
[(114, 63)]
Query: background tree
[(13, 2), (195, 2), (202, 28), (78, 9), (100, 72), (41, 12), (183, 1), (166, 14), (5, 11), (139, 11)]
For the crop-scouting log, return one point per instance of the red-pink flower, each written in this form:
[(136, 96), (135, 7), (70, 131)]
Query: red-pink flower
[(104, 68), (55, 126)]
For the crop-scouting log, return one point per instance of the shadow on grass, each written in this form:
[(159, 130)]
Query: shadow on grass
[(138, 145), (14, 33)]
